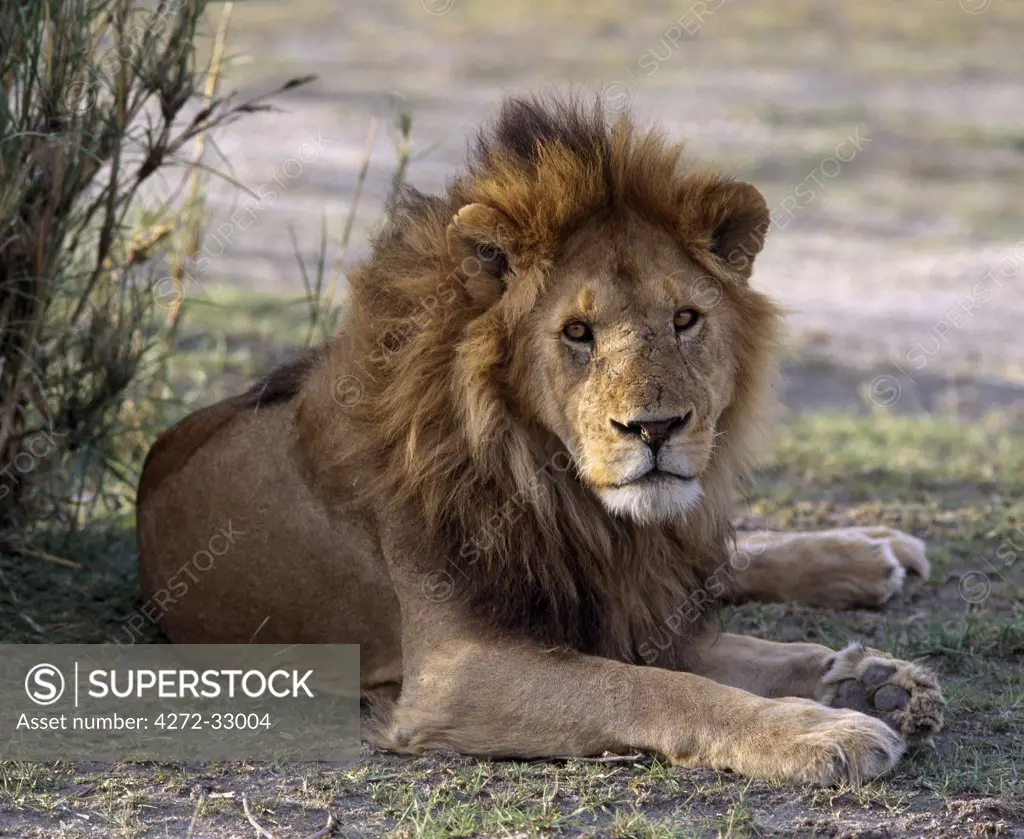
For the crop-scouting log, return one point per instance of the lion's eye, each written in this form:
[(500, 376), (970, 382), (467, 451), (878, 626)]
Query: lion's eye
[(686, 319), (578, 332)]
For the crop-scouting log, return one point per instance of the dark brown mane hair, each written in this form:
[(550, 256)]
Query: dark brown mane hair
[(283, 383), (413, 409)]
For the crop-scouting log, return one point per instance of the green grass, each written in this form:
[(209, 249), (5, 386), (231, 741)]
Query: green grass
[(229, 337), (959, 486)]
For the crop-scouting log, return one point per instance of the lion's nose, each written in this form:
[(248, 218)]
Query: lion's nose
[(654, 432)]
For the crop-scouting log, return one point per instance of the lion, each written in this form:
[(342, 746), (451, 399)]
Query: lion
[(508, 479)]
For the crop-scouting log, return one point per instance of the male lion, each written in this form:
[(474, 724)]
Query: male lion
[(508, 479)]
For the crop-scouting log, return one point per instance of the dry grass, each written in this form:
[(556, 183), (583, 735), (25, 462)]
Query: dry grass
[(99, 97)]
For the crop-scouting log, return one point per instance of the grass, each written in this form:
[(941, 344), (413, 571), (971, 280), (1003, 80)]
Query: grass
[(959, 486)]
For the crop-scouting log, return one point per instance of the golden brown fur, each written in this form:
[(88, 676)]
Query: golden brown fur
[(525, 509)]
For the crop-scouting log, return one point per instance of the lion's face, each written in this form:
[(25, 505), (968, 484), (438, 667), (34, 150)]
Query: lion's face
[(628, 350)]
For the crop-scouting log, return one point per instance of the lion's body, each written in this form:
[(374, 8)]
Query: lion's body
[(285, 574), (513, 467)]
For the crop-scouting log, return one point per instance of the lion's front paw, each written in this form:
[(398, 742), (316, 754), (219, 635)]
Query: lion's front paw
[(905, 695), (810, 743)]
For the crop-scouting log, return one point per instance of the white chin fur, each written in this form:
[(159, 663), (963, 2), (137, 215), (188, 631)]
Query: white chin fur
[(649, 502)]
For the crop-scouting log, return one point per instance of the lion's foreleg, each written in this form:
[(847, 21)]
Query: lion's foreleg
[(764, 668), (478, 690), (905, 695), (511, 699)]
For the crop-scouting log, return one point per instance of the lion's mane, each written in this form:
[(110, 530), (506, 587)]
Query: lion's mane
[(432, 437)]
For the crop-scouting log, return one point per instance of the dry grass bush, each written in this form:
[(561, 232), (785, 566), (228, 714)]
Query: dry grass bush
[(99, 97)]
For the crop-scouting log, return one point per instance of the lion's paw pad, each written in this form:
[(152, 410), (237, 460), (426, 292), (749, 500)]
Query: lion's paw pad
[(905, 695)]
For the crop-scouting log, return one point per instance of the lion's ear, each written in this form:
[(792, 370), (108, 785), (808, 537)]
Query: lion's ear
[(478, 239), (734, 217)]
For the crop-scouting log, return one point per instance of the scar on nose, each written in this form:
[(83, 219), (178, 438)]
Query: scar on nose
[(585, 301)]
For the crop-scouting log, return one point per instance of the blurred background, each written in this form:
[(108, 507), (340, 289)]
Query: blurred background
[(887, 137)]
